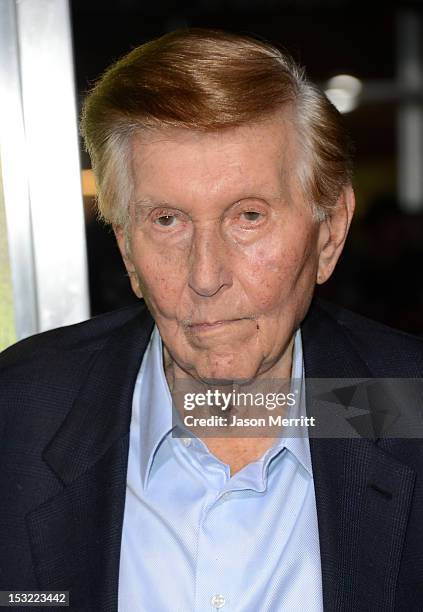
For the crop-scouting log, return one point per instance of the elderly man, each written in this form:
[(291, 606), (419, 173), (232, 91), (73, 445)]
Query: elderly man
[(226, 176)]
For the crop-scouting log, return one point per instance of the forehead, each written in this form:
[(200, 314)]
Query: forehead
[(255, 157)]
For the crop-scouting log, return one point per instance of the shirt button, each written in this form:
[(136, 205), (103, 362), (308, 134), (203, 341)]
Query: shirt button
[(186, 441), (218, 601)]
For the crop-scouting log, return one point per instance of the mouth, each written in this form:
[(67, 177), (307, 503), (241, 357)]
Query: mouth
[(204, 326)]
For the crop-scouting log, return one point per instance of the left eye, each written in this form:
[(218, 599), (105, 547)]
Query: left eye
[(251, 215), (166, 220)]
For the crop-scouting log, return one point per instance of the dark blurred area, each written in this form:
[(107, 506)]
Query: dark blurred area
[(380, 273)]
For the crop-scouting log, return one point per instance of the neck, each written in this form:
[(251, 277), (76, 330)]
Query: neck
[(237, 451)]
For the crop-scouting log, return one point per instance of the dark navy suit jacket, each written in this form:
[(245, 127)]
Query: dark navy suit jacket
[(65, 410)]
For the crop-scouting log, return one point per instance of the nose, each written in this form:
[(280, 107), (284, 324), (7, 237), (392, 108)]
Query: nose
[(209, 265)]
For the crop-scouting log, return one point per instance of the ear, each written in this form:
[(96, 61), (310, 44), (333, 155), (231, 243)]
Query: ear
[(122, 241), (333, 233)]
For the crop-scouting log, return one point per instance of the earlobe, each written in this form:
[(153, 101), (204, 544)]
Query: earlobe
[(333, 234)]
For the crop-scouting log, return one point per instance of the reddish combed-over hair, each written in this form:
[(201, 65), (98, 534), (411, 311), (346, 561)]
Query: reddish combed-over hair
[(209, 80)]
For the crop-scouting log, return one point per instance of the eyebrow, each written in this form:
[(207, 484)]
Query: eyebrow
[(148, 203)]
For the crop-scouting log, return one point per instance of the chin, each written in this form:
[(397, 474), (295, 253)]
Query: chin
[(221, 373)]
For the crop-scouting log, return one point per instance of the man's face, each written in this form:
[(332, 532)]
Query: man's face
[(225, 250)]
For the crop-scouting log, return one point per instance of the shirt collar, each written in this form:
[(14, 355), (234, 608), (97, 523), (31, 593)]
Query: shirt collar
[(154, 403), (153, 407), (298, 444)]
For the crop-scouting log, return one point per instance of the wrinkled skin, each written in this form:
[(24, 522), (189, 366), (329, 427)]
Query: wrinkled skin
[(224, 246)]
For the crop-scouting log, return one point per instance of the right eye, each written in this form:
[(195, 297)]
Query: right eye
[(165, 220)]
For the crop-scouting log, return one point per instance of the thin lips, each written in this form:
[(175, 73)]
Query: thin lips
[(212, 322)]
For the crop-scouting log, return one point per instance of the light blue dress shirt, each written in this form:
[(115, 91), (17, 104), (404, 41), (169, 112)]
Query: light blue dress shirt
[(196, 539)]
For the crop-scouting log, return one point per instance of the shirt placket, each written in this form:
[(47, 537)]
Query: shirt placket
[(215, 575)]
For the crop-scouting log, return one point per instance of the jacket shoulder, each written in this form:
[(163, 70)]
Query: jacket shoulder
[(41, 376), (85, 337), (387, 351)]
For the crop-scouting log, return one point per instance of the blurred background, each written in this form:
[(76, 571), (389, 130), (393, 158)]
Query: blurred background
[(368, 57)]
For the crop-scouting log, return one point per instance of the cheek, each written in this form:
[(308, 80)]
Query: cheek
[(161, 277), (275, 272)]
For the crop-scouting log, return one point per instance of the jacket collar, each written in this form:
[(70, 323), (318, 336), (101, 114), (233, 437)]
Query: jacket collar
[(101, 413)]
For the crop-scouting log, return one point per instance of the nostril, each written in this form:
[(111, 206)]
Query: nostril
[(204, 291)]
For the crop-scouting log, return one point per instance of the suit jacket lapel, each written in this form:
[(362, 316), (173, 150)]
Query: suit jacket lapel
[(363, 494), (75, 537)]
